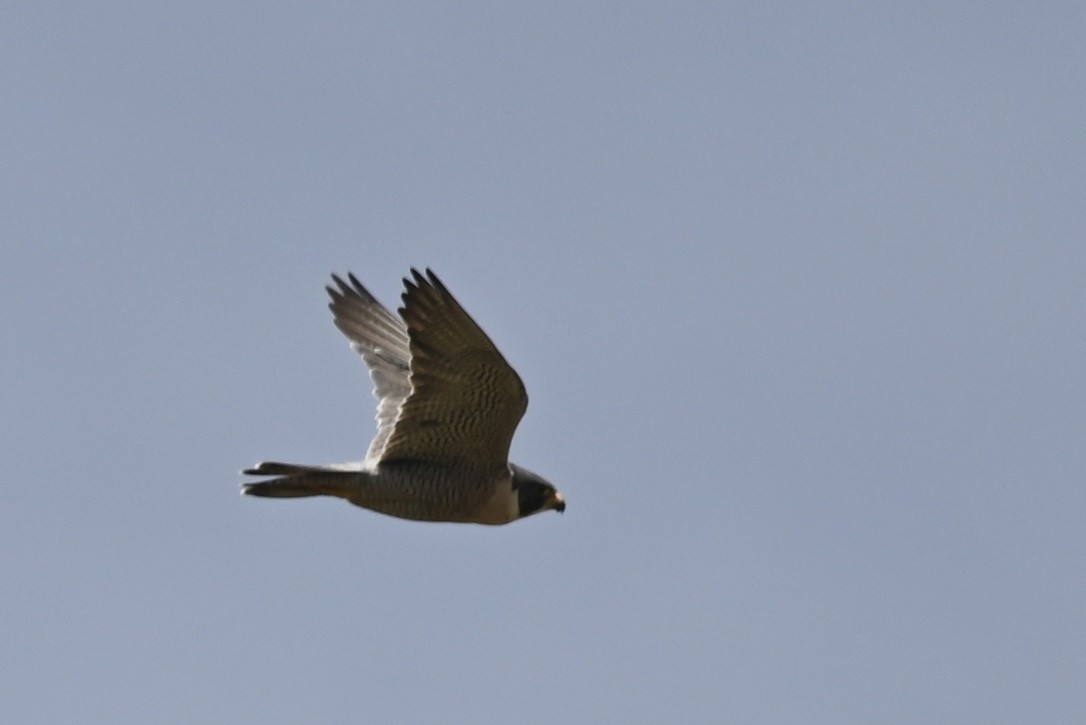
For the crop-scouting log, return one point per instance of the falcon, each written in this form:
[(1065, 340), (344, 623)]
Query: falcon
[(447, 407)]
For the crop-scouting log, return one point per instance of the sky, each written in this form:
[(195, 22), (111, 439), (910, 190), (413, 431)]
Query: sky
[(796, 289)]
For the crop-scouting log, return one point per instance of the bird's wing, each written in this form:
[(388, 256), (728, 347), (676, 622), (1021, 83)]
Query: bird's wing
[(381, 339), (465, 399)]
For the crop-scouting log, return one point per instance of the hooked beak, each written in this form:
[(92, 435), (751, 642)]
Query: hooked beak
[(559, 504)]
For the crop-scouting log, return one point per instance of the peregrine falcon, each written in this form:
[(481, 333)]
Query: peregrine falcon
[(447, 406)]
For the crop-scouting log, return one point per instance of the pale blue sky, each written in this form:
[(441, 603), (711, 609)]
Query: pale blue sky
[(798, 292)]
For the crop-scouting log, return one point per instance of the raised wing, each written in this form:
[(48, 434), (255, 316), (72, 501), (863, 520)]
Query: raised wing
[(465, 400), (381, 339)]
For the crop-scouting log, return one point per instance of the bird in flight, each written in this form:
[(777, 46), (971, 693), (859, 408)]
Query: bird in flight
[(447, 407)]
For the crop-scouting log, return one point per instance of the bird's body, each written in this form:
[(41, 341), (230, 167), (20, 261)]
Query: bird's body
[(448, 405)]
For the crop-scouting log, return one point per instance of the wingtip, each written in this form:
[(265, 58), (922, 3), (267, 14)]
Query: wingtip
[(428, 278), (338, 292), (346, 289), (436, 281)]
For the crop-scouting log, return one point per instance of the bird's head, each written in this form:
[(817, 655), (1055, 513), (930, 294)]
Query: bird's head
[(534, 493)]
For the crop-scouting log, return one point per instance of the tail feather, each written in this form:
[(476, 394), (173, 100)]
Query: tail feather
[(281, 488), (300, 481), (274, 468)]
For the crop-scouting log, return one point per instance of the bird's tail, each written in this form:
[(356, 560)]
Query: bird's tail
[(299, 481)]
